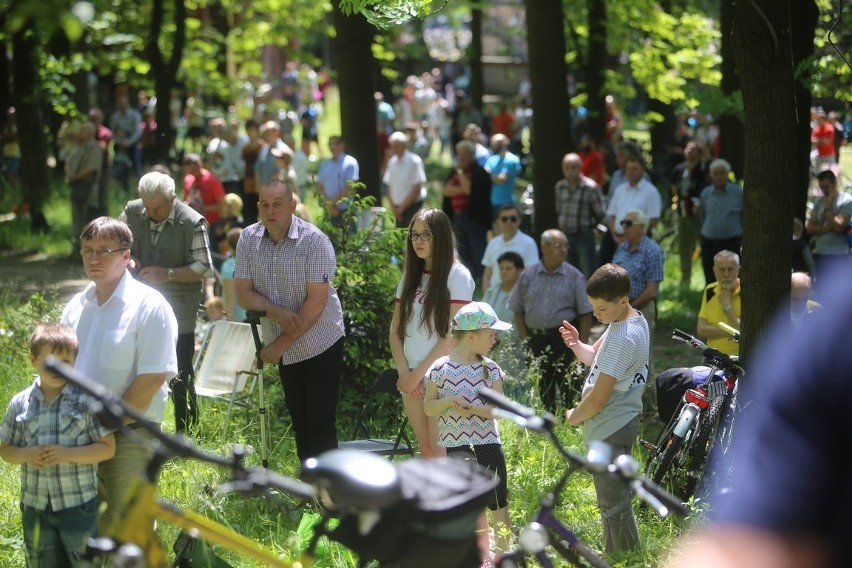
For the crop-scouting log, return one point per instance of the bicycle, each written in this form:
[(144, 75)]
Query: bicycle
[(545, 529), (370, 496), (703, 419)]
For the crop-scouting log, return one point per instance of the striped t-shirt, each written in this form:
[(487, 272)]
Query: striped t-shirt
[(623, 353)]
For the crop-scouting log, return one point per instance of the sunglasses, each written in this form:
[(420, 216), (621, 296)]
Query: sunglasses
[(627, 223), (511, 219)]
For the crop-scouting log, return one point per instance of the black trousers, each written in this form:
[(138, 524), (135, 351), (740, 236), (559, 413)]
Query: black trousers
[(311, 390), (553, 358), (183, 385)]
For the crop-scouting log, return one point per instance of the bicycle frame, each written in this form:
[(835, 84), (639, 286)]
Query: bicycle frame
[(535, 537), (132, 535), (143, 507), (693, 431), (544, 530)]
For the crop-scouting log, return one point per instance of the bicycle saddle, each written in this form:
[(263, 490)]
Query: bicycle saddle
[(717, 358), (353, 479)]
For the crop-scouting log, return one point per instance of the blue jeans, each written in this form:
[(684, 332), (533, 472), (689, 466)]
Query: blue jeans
[(56, 539), (582, 251)]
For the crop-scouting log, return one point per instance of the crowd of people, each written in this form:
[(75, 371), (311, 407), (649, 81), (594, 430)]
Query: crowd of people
[(238, 209)]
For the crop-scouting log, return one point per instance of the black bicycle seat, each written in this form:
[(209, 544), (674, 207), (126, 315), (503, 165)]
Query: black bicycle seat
[(717, 358), (353, 479)]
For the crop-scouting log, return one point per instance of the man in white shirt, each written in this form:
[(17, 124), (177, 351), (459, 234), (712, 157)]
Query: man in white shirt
[(405, 179), (128, 334), (635, 193), (511, 238)]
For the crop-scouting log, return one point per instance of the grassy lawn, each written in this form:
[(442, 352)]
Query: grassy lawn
[(533, 465)]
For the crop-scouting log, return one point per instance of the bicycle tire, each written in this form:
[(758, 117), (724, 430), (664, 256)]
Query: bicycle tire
[(673, 446), (717, 453), (577, 551), (700, 447)]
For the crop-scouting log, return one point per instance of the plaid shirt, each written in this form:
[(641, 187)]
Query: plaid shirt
[(645, 264), (579, 208), (31, 421), (546, 298), (281, 272)]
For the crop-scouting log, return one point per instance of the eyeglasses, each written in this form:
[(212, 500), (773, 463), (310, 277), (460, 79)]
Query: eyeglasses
[(510, 219), (425, 236), (627, 223), (89, 252), (558, 245)]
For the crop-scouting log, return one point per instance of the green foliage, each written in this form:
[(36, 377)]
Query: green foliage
[(386, 13), (367, 275)]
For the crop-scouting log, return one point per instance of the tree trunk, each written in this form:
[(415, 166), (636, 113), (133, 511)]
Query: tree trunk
[(355, 79), (804, 20), (763, 46), (731, 130), (28, 99), (662, 136), (595, 68), (165, 74), (477, 80), (551, 124)]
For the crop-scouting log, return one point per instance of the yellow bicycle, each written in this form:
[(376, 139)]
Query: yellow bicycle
[(414, 514), (131, 539)]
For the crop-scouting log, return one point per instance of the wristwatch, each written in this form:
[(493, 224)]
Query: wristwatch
[(171, 274)]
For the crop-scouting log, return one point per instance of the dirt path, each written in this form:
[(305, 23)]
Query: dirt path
[(24, 273)]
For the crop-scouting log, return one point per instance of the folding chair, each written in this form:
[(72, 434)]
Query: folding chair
[(224, 364), (401, 444)]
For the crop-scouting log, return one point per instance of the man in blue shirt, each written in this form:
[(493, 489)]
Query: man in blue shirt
[(333, 177), (721, 212), (504, 168)]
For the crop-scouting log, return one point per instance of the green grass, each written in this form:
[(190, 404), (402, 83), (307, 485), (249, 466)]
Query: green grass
[(533, 465)]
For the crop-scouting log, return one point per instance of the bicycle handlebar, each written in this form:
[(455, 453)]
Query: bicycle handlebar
[(687, 338), (111, 410), (598, 460)]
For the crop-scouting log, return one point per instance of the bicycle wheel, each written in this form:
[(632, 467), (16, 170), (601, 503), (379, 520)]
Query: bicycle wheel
[(665, 460), (700, 447), (716, 473)]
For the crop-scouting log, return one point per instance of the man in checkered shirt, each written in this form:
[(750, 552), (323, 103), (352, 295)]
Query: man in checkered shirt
[(285, 267)]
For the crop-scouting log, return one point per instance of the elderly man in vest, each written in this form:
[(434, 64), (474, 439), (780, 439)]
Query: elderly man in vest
[(171, 252)]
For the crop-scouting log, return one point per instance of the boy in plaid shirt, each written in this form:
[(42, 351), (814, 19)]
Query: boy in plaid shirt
[(49, 431)]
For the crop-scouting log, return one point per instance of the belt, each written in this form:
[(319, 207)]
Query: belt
[(543, 330)]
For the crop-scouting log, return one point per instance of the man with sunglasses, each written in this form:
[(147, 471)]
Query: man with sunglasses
[(511, 238)]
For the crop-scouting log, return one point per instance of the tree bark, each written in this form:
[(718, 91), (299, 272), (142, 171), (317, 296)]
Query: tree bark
[(731, 130), (764, 54), (165, 73), (595, 67), (551, 124), (355, 79), (29, 101), (804, 19), (477, 79)]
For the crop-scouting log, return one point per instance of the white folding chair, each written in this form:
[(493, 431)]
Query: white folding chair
[(226, 366)]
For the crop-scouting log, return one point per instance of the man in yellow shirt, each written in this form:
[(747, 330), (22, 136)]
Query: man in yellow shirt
[(721, 303)]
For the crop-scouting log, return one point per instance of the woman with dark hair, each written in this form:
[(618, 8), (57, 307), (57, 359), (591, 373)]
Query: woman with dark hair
[(434, 285)]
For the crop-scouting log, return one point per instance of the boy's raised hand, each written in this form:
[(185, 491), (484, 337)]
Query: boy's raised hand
[(569, 334)]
